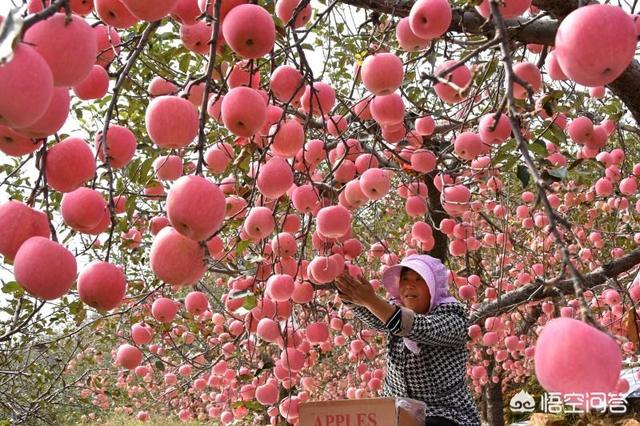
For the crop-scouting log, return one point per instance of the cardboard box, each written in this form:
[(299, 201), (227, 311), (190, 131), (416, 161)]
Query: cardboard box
[(355, 412)]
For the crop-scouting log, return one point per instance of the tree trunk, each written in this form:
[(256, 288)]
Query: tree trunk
[(493, 399)]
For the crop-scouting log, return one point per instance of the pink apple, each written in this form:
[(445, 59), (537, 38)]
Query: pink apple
[(287, 83), (249, 30), (121, 144), (171, 122), (320, 101), (317, 332), (94, 86), (468, 146), (16, 144), (195, 207), (240, 75), (161, 87), (460, 77), (243, 111), (67, 44), (176, 259), (382, 74), (26, 84), (164, 310), (168, 167), (388, 109), (141, 334), (407, 39), (208, 6), (588, 57), (530, 74), (275, 178), (196, 37), (508, 8), (288, 138), (333, 221), (196, 302), (286, 8), (280, 287), (572, 356), (70, 164), (375, 183), (44, 268), (147, 11), (128, 356), (108, 43), (115, 13), (430, 18), (218, 157), (102, 285), (259, 223), (18, 223), (267, 394), (305, 198), (494, 133), (54, 117), (186, 12), (455, 199), (83, 208)]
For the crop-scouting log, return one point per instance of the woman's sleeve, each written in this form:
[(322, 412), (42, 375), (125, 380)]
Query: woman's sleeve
[(441, 329), (367, 318)]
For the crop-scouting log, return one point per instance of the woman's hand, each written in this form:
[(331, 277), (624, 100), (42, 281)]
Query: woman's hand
[(355, 290)]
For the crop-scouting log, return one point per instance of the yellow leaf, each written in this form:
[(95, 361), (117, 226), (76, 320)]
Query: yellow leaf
[(631, 325)]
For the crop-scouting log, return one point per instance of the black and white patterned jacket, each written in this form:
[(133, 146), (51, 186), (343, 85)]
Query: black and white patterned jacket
[(437, 374)]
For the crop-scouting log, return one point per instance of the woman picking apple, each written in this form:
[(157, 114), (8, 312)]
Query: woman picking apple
[(426, 336)]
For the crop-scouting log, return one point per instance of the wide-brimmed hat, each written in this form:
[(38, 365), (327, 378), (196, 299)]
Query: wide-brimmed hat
[(432, 271)]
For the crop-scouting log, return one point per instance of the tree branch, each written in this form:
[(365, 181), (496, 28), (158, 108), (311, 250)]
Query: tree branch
[(525, 30), (531, 292)]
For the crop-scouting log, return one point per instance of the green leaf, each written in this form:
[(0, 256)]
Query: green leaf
[(240, 294), (159, 365), (250, 302), (130, 205), (183, 63), (11, 287), (576, 163), (75, 307), (242, 245), (523, 174), (559, 172), (504, 152), (144, 171), (555, 134), (511, 161), (539, 148)]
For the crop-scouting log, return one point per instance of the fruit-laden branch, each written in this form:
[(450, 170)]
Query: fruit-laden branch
[(45, 13), (213, 47), (123, 75), (525, 30), (554, 218), (536, 290)]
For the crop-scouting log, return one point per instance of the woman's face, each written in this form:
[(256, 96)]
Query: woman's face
[(414, 292)]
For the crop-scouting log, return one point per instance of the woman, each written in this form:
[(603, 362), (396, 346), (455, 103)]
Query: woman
[(426, 340)]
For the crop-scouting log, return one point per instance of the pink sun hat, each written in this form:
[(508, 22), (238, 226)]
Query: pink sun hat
[(432, 271)]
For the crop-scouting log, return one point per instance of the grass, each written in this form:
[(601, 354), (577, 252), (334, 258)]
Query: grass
[(123, 420)]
